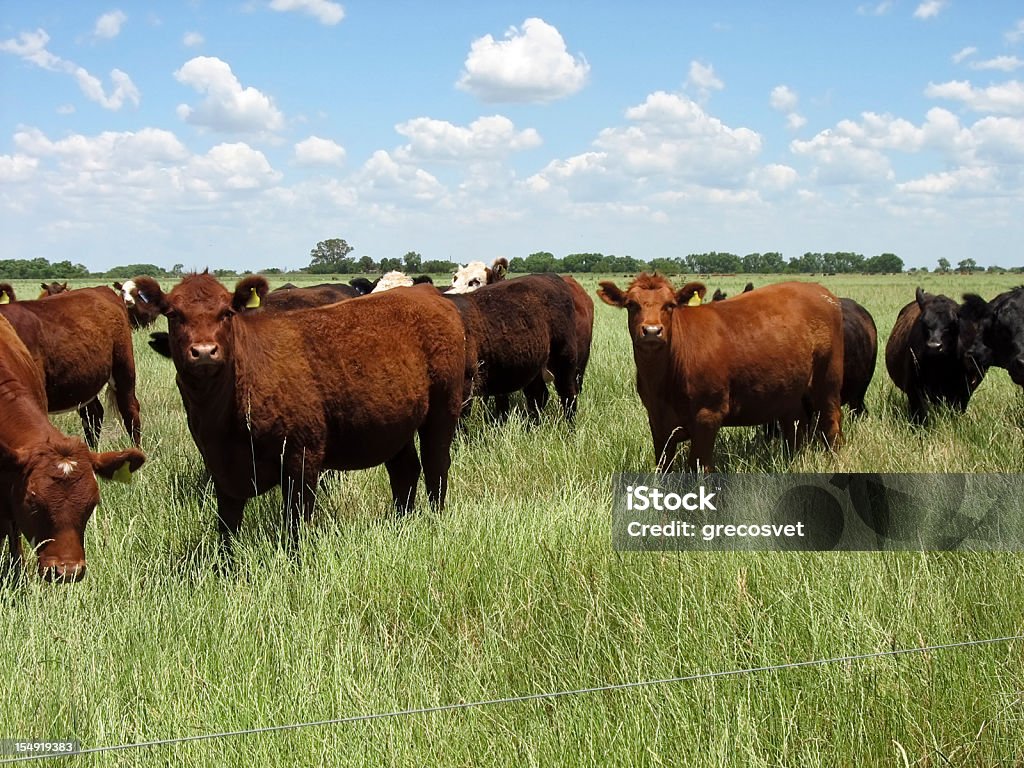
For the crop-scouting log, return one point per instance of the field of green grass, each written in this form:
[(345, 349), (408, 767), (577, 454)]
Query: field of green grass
[(514, 589)]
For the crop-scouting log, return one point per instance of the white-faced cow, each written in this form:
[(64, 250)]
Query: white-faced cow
[(476, 274)]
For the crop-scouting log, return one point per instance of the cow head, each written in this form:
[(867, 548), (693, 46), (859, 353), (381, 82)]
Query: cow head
[(52, 289), (994, 332), (55, 493), (939, 322), (200, 314), (392, 279), (476, 274), (651, 301)]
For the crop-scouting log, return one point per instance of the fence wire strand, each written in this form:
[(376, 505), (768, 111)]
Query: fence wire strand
[(515, 699)]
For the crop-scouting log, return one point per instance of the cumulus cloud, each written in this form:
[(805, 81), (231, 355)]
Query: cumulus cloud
[(703, 80), (929, 9), (318, 151), (227, 106), (15, 168), (531, 64), (108, 26), (383, 176), (999, 63), (1003, 98), (784, 99), (31, 47), (324, 11), (193, 40), (485, 138)]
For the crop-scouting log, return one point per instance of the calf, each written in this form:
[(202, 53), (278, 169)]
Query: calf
[(924, 356), (775, 354), (81, 341), (141, 312), (517, 329), (47, 480), (992, 333), (275, 398)]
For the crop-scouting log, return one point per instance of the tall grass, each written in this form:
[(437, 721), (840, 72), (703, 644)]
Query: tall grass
[(514, 588)]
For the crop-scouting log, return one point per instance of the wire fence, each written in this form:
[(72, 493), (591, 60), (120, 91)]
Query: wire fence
[(514, 699)]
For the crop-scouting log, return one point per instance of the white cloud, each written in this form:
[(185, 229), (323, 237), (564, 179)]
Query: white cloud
[(228, 107), (1000, 63), (233, 167), (486, 137), (15, 168), (875, 9), (703, 79), (964, 53), (1016, 34), (929, 9), (317, 151), (31, 47), (324, 11), (382, 176), (1004, 98), (108, 26), (530, 65), (783, 98), (193, 40)]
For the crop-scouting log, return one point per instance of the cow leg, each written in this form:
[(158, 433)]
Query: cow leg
[(502, 406), (666, 443), (123, 384), (435, 451), (702, 441), (563, 367), (536, 397), (404, 472), (92, 421), (298, 493), (917, 406), (229, 518)]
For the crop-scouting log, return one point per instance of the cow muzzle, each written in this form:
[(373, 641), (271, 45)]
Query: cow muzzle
[(59, 570), (652, 333), (204, 354)]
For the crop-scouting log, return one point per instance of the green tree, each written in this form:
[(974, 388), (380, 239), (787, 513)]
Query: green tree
[(328, 256), (668, 266), (413, 262), (391, 264), (884, 262), (132, 270), (943, 265), (966, 265), (439, 266), (580, 262), (542, 261)]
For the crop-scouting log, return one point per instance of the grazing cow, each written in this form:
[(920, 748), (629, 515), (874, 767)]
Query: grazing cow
[(82, 342), (773, 355), (141, 312), (53, 289), (47, 480), (517, 329), (993, 334), (924, 357), (7, 294), (476, 274), (275, 398)]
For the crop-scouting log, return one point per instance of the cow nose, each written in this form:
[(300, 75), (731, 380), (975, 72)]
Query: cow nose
[(935, 345), (653, 331), (204, 352), (53, 569)]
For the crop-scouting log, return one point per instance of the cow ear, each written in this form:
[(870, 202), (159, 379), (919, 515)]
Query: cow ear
[(117, 465), (974, 307), (686, 295), (921, 296), (498, 270), (249, 293), (117, 286), (611, 294), (150, 292)]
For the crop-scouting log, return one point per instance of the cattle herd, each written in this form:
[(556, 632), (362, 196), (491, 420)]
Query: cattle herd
[(270, 401)]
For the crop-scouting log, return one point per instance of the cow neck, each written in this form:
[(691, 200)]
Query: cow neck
[(24, 420), (655, 365)]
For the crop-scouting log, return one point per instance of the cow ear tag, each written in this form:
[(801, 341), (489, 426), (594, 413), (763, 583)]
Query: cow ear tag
[(254, 300), (122, 474), (4, 298), (694, 300)]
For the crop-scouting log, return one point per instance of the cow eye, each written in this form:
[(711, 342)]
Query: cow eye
[(669, 307), (226, 314), (630, 304), (475, 281)]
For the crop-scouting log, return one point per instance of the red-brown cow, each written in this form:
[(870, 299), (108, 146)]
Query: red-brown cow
[(140, 312), (47, 483), (82, 342), (277, 397), (53, 289), (775, 354)]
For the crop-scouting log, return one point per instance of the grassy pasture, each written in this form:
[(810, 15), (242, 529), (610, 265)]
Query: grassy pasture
[(514, 589)]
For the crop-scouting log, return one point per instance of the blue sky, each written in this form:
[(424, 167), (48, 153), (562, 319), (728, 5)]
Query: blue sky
[(239, 134)]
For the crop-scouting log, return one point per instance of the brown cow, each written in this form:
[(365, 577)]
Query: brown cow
[(47, 483), (517, 329), (775, 354), (82, 342), (53, 289), (277, 397)]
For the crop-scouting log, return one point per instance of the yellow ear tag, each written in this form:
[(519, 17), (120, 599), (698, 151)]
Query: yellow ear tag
[(122, 474), (694, 300), (254, 300), (4, 298)]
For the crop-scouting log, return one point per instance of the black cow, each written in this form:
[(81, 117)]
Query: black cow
[(924, 356), (995, 337), (860, 352)]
